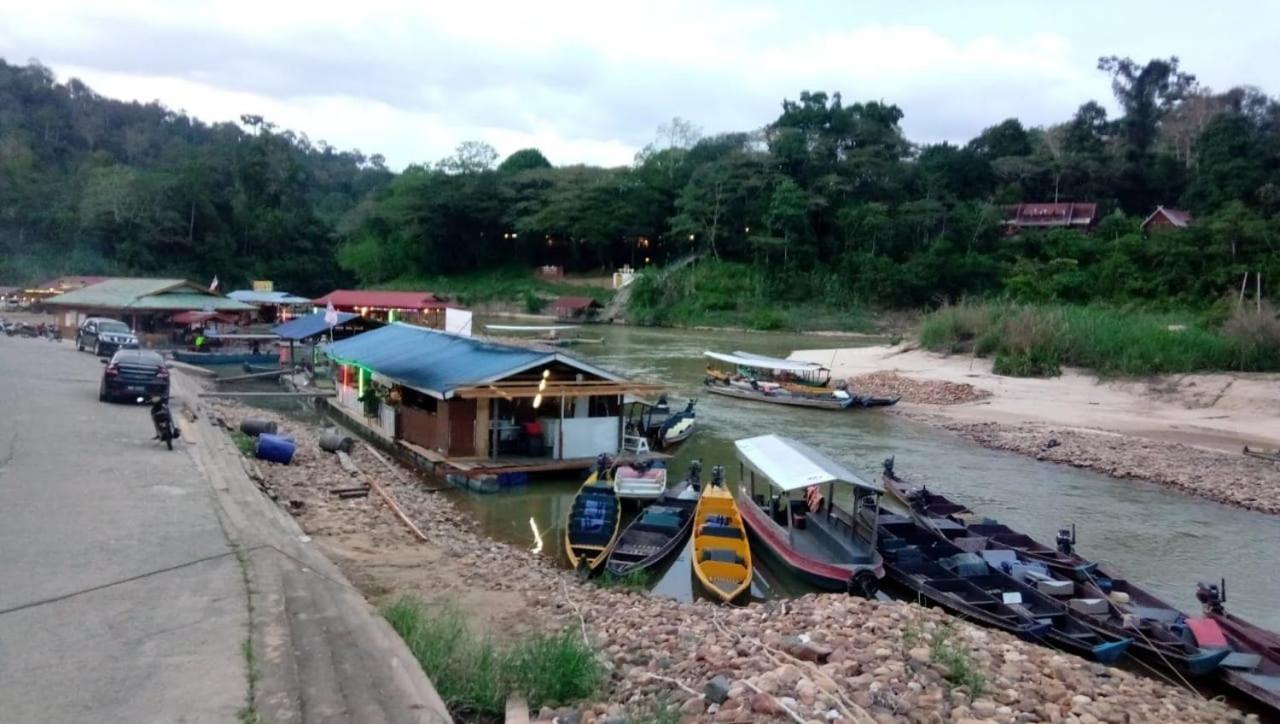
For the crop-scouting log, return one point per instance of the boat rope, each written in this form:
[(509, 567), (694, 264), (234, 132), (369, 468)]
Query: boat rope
[(1137, 628)]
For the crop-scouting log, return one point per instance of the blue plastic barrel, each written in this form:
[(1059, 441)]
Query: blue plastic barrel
[(275, 448)]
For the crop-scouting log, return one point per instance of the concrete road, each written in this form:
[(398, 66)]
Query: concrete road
[(120, 596)]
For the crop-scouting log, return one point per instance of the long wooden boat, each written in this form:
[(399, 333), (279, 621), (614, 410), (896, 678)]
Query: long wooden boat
[(214, 359), (656, 533), (1253, 666), (952, 519), (787, 501), (824, 402), (1272, 455), (1104, 603), (721, 553), (937, 571), (782, 382), (593, 521)]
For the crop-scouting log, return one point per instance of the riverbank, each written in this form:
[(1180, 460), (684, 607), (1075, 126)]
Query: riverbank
[(1183, 431), (816, 658)]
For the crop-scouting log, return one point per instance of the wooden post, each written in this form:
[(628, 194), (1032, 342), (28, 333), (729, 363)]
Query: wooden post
[(482, 428), (1257, 278), (560, 429)]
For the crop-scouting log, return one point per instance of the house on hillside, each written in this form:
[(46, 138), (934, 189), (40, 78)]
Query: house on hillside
[(479, 406), (576, 309), (1069, 215), (147, 305), (1163, 218), (422, 308)]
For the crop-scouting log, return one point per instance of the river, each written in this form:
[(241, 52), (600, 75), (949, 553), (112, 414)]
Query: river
[(1162, 539)]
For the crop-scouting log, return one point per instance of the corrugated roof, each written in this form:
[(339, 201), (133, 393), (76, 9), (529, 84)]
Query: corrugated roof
[(438, 363), (791, 465), (1179, 218), (309, 326), (249, 296), (381, 299), (175, 295), (69, 282)]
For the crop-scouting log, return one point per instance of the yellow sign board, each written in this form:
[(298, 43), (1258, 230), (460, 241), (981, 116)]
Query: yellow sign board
[(263, 286)]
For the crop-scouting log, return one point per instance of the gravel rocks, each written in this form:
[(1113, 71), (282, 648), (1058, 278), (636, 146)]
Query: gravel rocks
[(817, 658), (1227, 478), (888, 383)]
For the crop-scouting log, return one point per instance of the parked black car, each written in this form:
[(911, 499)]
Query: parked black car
[(134, 373), (104, 336)]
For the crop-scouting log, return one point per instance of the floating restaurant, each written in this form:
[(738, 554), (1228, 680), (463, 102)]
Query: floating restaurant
[(476, 411)]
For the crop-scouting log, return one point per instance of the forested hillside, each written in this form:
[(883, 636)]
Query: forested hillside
[(828, 201)]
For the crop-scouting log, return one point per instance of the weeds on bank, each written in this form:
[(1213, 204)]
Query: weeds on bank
[(243, 441), (661, 712), (473, 676), (637, 581), (1038, 340), (962, 670)]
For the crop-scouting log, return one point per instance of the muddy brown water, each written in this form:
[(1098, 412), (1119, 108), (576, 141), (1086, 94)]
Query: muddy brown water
[(1164, 540)]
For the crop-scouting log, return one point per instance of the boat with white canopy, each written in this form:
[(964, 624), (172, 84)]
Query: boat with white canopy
[(810, 514), (781, 381)]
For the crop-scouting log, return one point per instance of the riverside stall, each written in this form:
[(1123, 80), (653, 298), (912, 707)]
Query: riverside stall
[(477, 412)]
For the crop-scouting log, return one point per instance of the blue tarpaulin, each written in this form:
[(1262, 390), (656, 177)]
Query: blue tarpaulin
[(439, 362), (309, 326)]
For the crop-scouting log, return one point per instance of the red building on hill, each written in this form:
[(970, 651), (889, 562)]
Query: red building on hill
[(1069, 215), (1163, 218)]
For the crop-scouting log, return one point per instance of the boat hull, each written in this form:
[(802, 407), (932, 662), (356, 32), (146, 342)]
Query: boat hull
[(587, 551), (771, 539), (621, 562), (822, 404), (720, 577)]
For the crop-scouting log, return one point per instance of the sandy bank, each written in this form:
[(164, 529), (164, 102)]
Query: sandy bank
[(1186, 431), (817, 658)]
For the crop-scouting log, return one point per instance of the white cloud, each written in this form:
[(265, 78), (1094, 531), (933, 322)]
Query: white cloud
[(583, 81)]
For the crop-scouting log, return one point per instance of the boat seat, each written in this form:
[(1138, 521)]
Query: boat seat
[(722, 555), (720, 531), (1208, 634)]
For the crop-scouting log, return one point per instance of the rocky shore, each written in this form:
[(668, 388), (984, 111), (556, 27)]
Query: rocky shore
[(1236, 479), (888, 383), (819, 658)]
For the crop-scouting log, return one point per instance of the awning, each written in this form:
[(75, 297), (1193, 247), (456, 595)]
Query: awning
[(310, 325), (790, 465), (200, 317), (761, 362)]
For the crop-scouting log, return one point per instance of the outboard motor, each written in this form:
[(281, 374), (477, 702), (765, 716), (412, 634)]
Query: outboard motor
[(717, 476), (695, 474), (1211, 596), (888, 466), (1066, 540), (603, 463)]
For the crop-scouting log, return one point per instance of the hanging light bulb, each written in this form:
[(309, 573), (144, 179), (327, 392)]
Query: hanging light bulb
[(537, 400)]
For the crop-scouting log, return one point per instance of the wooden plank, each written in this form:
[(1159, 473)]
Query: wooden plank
[(347, 463), (431, 455)]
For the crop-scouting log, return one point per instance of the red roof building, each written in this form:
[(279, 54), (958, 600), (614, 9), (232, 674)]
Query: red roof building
[(1163, 218), (351, 300), (1051, 216), (576, 308), (421, 308)]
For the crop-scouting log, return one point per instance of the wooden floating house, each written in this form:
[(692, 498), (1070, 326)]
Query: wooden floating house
[(477, 412)]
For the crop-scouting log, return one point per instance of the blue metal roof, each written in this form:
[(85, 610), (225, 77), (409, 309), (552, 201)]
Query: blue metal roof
[(308, 326), (438, 362)]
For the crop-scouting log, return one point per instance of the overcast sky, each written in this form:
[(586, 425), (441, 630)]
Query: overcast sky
[(590, 81)]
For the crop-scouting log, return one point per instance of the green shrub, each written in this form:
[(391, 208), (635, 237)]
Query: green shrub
[(766, 319), (962, 670), (243, 441), (474, 677), (633, 581), (534, 304)]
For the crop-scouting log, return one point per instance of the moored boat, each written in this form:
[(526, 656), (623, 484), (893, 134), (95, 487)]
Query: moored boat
[(1107, 604), (933, 569), (217, 359), (656, 425), (658, 531), (788, 503), (1253, 665), (782, 382), (721, 553), (642, 480), (593, 521)]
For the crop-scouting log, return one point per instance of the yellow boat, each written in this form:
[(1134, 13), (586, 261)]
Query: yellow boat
[(593, 522), (721, 554)]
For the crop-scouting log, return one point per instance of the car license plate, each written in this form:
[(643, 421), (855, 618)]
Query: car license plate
[(137, 388)]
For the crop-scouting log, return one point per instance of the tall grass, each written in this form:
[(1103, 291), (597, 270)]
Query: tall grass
[(1038, 340), (474, 676)]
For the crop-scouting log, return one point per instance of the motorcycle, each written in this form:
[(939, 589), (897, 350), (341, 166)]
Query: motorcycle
[(162, 419)]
